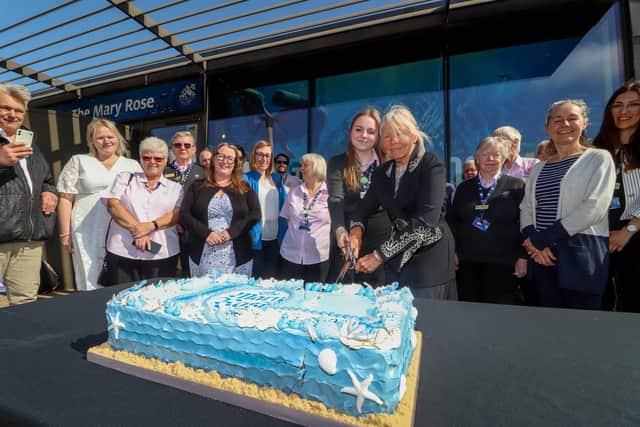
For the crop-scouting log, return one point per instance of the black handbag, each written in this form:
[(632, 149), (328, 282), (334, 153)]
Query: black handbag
[(49, 278)]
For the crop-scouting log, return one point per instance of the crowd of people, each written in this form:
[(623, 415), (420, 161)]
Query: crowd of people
[(558, 230)]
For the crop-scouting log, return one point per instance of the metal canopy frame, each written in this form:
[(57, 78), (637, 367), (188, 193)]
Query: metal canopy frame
[(110, 40)]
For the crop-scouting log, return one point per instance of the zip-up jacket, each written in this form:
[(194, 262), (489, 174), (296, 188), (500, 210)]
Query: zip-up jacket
[(21, 217)]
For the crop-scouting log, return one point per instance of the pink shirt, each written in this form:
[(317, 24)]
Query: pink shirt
[(146, 206), (521, 168), (306, 246), (374, 158)]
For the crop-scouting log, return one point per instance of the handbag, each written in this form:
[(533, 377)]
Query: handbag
[(104, 278), (49, 278)]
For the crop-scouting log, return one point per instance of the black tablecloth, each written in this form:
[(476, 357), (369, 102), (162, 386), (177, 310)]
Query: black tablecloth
[(482, 365)]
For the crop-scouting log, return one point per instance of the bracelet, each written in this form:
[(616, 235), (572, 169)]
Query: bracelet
[(156, 227), (65, 235)]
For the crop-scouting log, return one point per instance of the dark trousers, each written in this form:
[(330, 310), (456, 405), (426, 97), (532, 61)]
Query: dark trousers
[(550, 295), (623, 287), (266, 260), (480, 282), (123, 270), (308, 273)]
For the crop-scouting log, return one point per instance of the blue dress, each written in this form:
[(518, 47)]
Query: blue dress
[(219, 257)]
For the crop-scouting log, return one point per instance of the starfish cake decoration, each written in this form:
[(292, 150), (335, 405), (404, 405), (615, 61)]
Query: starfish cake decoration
[(116, 324), (361, 391)]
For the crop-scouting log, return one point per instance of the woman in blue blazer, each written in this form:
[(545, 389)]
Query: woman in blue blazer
[(267, 234)]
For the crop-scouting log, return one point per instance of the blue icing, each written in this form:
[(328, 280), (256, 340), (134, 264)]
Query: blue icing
[(284, 358)]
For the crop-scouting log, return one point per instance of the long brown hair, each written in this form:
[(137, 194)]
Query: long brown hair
[(237, 181), (608, 136), (352, 169)]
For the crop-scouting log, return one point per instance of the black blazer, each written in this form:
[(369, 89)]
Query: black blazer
[(416, 216), (195, 220), (502, 242), (344, 202)]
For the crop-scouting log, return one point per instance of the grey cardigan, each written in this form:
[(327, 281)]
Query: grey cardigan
[(585, 195)]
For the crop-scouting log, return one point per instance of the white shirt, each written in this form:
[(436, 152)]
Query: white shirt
[(269, 207), (23, 165)]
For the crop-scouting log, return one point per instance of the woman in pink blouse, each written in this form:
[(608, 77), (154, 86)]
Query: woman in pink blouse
[(142, 240), (305, 248)]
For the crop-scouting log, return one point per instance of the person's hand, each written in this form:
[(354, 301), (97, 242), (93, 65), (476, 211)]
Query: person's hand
[(456, 260), (520, 269), (179, 228), (544, 257), (356, 241), (143, 243), (214, 239), (142, 229), (48, 202), (368, 263), (342, 239), (11, 153), (67, 243), (618, 239), (225, 236)]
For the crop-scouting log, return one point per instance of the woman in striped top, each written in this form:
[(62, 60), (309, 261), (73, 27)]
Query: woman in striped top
[(564, 213), (619, 135)]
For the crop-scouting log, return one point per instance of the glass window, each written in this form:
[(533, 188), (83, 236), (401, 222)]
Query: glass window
[(417, 85), (500, 87), (276, 112)]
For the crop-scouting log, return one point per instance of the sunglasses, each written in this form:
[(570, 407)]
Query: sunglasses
[(281, 162), (184, 145), (154, 158)]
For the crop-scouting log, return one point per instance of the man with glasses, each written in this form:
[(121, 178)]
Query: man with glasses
[(281, 165), (29, 199), (183, 171)]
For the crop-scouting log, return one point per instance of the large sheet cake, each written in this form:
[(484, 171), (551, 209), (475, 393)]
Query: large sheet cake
[(347, 346)]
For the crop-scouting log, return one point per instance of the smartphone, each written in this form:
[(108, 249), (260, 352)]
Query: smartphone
[(155, 247), (24, 136)]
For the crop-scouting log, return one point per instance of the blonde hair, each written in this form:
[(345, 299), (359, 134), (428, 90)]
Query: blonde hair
[(252, 156), (319, 165), (92, 128), (183, 133), (400, 119)]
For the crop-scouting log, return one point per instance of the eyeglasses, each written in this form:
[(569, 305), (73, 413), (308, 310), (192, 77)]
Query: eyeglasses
[(282, 162), (487, 155), (184, 145), (619, 106), (156, 159), (263, 155), (223, 158)]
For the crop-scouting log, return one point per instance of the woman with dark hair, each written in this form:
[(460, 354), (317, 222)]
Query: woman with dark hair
[(268, 233), (218, 214), (564, 213), (419, 253), (619, 135), (348, 180)]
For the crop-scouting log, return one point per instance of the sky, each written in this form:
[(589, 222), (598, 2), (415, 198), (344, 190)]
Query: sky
[(56, 52)]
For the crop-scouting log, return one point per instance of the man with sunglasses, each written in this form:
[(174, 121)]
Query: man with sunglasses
[(184, 171), (281, 165)]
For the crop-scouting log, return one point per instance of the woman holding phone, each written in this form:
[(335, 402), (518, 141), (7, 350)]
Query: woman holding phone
[(142, 241)]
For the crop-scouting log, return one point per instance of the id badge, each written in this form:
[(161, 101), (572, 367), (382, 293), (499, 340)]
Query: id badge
[(362, 194), (615, 203), (305, 226), (480, 223), (482, 207)]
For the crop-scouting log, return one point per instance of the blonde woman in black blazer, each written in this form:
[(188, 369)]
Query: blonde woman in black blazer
[(420, 251)]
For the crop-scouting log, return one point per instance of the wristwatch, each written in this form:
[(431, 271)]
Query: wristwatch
[(631, 228)]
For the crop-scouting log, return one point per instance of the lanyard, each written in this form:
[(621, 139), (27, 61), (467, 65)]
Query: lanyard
[(182, 176), (365, 177), (484, 199), (306, 210)]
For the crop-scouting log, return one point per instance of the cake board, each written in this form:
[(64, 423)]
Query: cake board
[(265, 400)]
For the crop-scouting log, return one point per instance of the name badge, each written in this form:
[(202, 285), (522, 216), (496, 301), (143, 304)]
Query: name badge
[(615, 203), (305, 226), (480, 223), (482, 207), (362, 194)]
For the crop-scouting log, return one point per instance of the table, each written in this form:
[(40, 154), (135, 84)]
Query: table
[(482, 365)]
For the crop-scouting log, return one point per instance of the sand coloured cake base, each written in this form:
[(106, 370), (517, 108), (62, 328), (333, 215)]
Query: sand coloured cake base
[(266, 400)]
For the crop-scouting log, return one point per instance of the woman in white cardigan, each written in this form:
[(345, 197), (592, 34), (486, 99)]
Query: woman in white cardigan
[(564, 213)]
